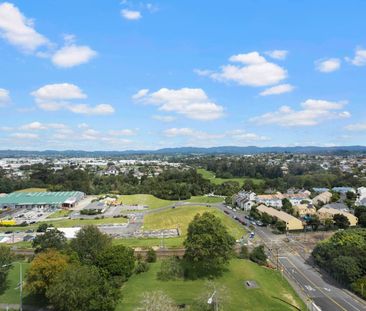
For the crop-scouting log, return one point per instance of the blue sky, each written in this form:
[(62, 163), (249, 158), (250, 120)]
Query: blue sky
[(117, 75)]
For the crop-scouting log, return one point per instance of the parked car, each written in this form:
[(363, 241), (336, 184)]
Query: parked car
[(260, 224)]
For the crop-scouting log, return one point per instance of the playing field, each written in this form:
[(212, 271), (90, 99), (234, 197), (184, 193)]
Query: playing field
[(218, 181), (273, 292), (205, 199), (144, 199), (180, 218)]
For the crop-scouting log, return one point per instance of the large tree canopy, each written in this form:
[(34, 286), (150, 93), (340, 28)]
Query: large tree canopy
[(208, 246)]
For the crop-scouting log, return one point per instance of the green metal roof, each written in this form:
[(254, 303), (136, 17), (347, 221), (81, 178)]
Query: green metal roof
[(39, 198)]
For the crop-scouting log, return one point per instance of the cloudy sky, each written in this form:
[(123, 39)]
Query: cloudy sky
[(117, 75)]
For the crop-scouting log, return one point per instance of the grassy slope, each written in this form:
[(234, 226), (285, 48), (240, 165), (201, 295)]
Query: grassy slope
[(144, 199), (182, 216), (69, 223), (218, 181), (205, 199), (271, 285)]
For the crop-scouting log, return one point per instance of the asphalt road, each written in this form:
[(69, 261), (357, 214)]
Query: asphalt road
[(309, 282)]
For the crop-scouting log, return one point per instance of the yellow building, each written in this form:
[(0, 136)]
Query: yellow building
[(324, 197), (329, 212), (304, 209), (292, 223)]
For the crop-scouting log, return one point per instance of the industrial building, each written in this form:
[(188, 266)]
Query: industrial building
[(292, 223), (61, 199)]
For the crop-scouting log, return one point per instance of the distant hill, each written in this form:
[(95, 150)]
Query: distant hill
[(235, 150)]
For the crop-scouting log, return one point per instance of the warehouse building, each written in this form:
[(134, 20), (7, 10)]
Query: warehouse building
[(329, 212), (292, 223), (61, 199)]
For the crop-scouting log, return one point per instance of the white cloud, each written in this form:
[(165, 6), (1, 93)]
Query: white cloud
[(54, 97), (188, 132), (37, 126), (192, 103), (356, 127), (244, 136), (254, 70), (359, 59), (140, 94), (19, 30), (25, 135), (60, 91), (73, 55), (131, 14), (277, 54), (312, 113), (278, 89), (328, 65), (164, 118), (4, 97), (124, 132)]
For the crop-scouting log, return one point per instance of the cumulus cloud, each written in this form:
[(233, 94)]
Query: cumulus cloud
[(356, 127), (328, 65), (244, 136), (37, 126), (312, 113), (278, 89), (359, 59), (54, 97), (19, 30), (277, 54), (253, 70), (4, 97), (131, 14), (73, 55), (190, 102)]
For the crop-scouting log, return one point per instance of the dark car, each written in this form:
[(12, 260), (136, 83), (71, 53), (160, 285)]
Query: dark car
[(226, 212)]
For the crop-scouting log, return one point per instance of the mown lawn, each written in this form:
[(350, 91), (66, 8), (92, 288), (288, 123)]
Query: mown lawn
[(271, 288), (69, 223), (144, 199), (150, 242), (180, 217), (218, 181), (205, 199), (60, 213)]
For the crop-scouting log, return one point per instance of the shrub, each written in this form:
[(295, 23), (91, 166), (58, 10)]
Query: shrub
[(141, 267), (151, 255), (258, 255), (244, 253), (170, 269)]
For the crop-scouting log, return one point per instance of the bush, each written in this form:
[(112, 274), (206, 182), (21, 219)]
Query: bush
[(244, 253), (258, 255), (141, 267), (151, 255), (170, 269)]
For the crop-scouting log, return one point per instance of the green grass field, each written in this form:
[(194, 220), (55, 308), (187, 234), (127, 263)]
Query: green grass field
[(150, 242), (69, 223), (205, 199), (144, 199), (60, 213), (180, 217), (33, 190), (218, 181), (271, 288)]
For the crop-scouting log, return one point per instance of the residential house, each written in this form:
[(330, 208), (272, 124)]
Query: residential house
[(329, 212)]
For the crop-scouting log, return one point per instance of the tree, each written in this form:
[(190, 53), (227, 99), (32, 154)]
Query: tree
[(281, 226), (360, 287), (208, 246), (346, 269), (314, 222), (51, 239), (287, 206), (117, 261), (42, 227), (89, 243), (156, 301), (6, 258), (43, 270), (258, 255), (335, 197), (341, 221), (82, 288), (328, 224), (360, 213), (151, 255)]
